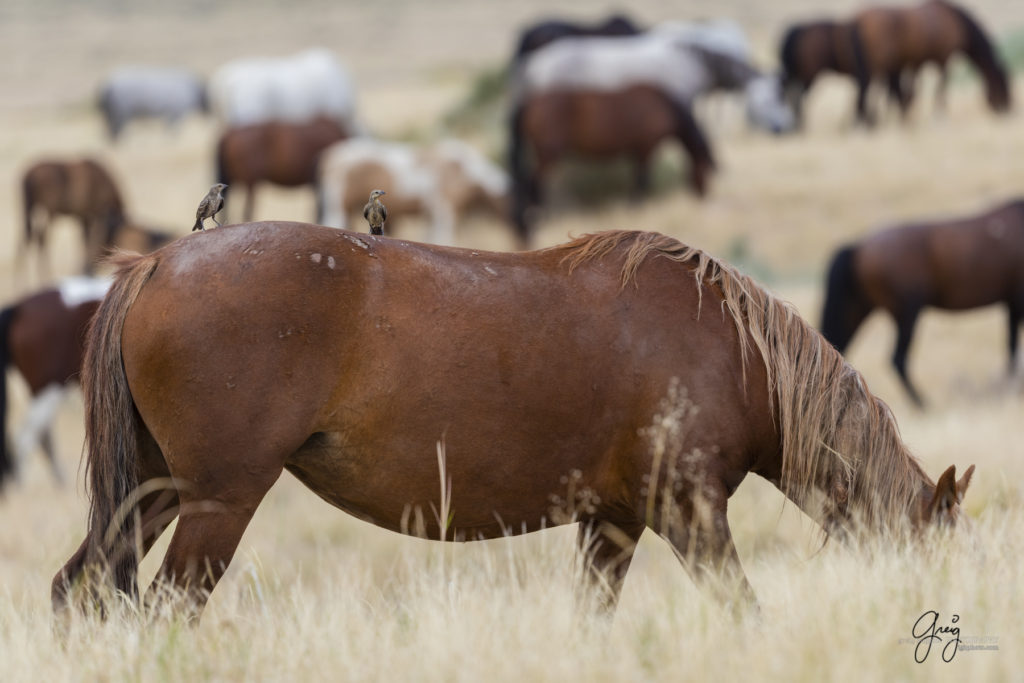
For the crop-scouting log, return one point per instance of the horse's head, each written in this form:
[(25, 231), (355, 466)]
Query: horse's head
[(767, 107), (940, 505), (997, 92)]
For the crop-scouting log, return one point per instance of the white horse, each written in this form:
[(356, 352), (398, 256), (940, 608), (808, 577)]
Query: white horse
[(294, 89), (439, 182), (150, 92), (684, 61)]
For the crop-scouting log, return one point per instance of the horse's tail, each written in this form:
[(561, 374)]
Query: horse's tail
[(696, 145), (6, 317), (788, 54), (846, 306), (28, 202), (982, 53), (111, 427), (521, 183), (859, 53)]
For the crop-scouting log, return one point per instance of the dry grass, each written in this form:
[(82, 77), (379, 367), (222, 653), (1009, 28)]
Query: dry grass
[(315, 594)]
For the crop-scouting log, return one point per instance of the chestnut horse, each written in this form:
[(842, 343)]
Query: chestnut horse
[(952, 264), (83, 189), (277, 152), (812, 48), (372, 368), (43, 337), (898, 41), (598, 125)]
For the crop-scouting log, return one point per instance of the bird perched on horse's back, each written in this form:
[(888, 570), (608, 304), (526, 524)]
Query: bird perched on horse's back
[(209, 206), (375, 212)]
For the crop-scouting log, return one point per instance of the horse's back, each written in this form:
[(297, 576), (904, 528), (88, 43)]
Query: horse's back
[(385, 347)]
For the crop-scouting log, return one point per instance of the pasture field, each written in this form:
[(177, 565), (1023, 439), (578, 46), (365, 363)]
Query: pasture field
[(315, 595)]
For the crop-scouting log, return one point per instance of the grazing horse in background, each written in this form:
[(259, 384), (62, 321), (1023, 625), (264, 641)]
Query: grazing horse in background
[(144, 92), (441, 181), (294, 89), (898, 41), (43, 337), (684, 61), (953, 264), (812, 48), (281, 153), (598, 125), (486, 360), (540, 34), (82, 189)]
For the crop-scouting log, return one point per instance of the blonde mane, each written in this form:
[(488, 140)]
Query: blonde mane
[(836, 436)]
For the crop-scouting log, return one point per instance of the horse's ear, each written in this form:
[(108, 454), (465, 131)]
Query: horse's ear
[(945, 496), (961, 486)]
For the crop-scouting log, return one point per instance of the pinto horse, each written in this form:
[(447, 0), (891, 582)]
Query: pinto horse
[(598, 125), (281, 153), (898, 41), (43, 337), (83, 189), (351, 360), (441, 181), (953, 264)]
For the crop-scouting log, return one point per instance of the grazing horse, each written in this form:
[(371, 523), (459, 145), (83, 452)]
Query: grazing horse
[(295, 89), (43, 337), (281, 153), (540, 34), (598, 125), (684, 61), (441, 181), (812, 48), (953, 264), (352, 360), (898, 41), (83, 189), (142, 92)]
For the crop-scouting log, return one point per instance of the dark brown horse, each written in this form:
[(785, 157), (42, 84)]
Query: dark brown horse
[(277, 152), (898, 41), (348, 360), (43, 337), (82, 189), (811, 49), (542, 33), (598, 125), (953, 264)]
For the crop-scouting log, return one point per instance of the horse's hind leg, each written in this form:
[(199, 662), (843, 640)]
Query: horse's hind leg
[(214, 512), (157, 508), (905, 322), (608, 549)]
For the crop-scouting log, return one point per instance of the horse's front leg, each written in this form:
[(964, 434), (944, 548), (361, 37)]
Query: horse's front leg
[(698, 530), (607, 548)]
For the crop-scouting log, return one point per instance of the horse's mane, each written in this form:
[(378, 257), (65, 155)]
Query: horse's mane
[(834, 432)]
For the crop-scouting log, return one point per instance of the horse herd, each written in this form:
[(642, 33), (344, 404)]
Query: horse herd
[(350, 360)]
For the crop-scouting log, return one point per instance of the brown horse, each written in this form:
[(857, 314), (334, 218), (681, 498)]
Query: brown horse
[(810, 49), (898, 41), (43, 337), (277, 152), (953, 264), (352, 361), (83, 189), (598, 125)]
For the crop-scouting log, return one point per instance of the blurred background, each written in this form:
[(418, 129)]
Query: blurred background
[(777, 205)]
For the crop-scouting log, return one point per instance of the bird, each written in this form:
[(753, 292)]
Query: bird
[(209, 206), (375, 212)]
